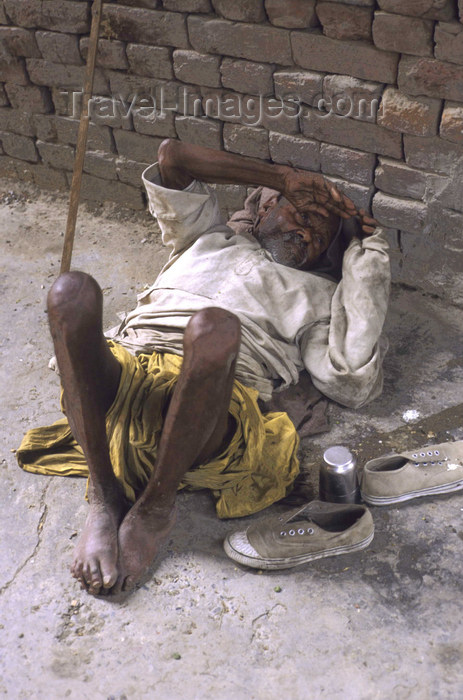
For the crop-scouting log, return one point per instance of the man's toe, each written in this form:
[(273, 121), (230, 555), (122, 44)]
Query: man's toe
[(109, 572), (94, 577)]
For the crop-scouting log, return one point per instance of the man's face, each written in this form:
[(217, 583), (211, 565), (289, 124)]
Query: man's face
[(294, 239)]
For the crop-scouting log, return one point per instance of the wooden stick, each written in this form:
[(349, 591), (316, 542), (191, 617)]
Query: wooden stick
[(81, 138)]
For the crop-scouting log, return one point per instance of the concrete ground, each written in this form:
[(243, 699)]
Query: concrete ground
[(382, 623)]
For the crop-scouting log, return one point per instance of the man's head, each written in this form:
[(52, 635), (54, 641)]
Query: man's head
[(294, 239)]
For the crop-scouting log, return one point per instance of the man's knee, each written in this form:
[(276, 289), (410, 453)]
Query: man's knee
[(74, 296), (217, 331)]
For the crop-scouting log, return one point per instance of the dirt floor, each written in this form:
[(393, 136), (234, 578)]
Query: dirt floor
[(382, 623)]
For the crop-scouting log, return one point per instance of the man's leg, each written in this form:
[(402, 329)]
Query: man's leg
[(196, 428), (90, 378)]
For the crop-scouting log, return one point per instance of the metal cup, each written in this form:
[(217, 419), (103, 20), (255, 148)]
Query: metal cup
[(338, 481)]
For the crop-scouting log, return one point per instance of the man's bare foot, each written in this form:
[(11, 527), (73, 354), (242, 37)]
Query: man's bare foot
[(96, 553), (143, 531)]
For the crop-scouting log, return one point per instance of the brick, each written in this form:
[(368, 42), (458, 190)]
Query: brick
[(29, 98), (147, 4), (8, 167), (351, 97), (50, 74), (125, 84), (190, 101), (99, 137), (396, 178), (358, 3), (343, 21), (460, 10), (292, 14), (432, 153), (256, 43), (24, 170), (72, 17), (188, 5), (3, 97), (44, 126), (403, 214), (199, 131), (13, 71), (246, 140), (130, 171), (280, 115), (139, 91), (361, 196), (432, 78), (355, 58), (446, 191), (347, 163), (18, 146), (449, 42), (246, 76), (305, 86), (197, 68), (98, 190), (16, 121), (421, 260), (43, 176), (352, 133), (56, 155), (48, 178), (110, 112), (111, 53), (271, 113), (452, 224), (451, 127), (136, 146), (240, 10), (295, 151), (427, 9), (25, 13), (15, 41), (155, 123), (101, 165), (418, 116), (403, 34), (65, 101), (59, 48), (3, 17), (142, 26), (155, 61)]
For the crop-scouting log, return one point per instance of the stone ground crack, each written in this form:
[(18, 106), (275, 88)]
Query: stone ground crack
[(43, 516), (265, 614)]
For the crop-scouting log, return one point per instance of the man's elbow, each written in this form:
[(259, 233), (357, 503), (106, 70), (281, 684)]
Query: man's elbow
[(166, 153)]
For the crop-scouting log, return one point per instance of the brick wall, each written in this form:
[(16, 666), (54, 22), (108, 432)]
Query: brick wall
[(368, 93)]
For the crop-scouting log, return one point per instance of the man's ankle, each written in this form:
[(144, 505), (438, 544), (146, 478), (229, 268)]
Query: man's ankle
[(156, 506)]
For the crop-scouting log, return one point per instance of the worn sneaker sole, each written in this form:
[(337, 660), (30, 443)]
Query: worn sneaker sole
[(432, 491), (289, 562)]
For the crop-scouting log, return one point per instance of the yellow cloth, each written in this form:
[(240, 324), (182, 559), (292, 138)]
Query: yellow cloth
[(255, 470)]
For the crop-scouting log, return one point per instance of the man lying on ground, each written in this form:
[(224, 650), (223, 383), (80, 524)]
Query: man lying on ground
[(171, 400)]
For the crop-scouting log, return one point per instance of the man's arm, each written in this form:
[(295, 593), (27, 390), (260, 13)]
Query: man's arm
[(343, 353), (180, 163)]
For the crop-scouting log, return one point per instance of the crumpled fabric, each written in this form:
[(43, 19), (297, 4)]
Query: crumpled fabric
[(257, 468)]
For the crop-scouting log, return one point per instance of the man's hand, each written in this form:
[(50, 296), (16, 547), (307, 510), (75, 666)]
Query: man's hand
[(311, 192), (367, 223)]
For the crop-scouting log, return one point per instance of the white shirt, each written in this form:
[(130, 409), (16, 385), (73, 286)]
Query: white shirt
[(290, 319)]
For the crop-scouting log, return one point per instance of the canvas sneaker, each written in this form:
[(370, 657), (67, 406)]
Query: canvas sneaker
[(426, 471), (316, 530)]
